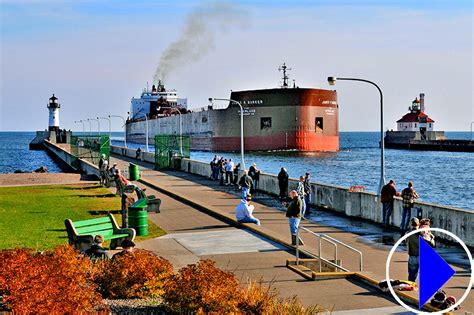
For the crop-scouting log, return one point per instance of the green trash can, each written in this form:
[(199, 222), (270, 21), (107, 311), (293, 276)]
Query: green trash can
[(138, 217), (134, 172)]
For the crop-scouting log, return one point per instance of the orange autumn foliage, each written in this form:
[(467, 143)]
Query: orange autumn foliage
[(55, 283), (138, 275)]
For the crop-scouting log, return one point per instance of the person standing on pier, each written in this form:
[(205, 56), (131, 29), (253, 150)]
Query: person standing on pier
[(245, 183), (229, 169), (301, 193), (387, 194), (413, 247), (254, 173), (408, 195), (294, 214), (103, 167), (307, 191), (283, 183)]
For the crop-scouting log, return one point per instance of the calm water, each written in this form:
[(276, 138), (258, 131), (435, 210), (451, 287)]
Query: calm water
[(445, 178)]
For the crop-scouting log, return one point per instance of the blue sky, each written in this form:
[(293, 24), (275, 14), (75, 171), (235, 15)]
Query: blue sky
[(96, 55)]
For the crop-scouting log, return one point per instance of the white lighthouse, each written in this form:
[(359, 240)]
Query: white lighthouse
[(53, 107)]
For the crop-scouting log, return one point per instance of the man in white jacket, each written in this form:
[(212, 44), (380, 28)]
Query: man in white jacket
[(244, 210)]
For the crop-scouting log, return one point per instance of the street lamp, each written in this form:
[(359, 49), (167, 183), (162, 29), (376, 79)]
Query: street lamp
[(241, 125), (180, 131), (81, 121), (98, 124), (146, 128), (124, 126), (90, 126), (332, 81), (472, 123), (110, 126)]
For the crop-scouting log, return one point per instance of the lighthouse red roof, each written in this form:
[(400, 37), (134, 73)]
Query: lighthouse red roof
[(414, 117)]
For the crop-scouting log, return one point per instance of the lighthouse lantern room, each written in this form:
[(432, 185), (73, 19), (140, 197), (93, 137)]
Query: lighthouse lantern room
[(53, 107)]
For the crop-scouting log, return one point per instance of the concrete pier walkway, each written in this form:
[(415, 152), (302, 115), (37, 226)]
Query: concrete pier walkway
[(200, 221)]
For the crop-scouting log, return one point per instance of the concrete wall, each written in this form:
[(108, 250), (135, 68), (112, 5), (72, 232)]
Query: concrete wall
[(363, 205), (67, 158)]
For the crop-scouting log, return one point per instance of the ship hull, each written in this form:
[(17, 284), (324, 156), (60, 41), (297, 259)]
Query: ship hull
[(274, 119)]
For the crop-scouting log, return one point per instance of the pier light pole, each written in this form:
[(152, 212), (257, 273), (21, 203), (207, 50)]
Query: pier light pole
[(124, 126), (90, 126), (472, 123), (332, 81), (146, 129), (180, 131), (98, 124), (110, 126), (84, 128), (241, 125)]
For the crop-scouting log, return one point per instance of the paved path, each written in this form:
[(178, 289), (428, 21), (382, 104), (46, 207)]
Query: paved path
[(269, 265)]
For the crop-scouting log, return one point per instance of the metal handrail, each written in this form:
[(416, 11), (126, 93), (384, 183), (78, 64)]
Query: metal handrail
[(333, 242), (319, 236)]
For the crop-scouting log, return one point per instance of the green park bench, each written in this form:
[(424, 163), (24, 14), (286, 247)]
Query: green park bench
[(81, 233)]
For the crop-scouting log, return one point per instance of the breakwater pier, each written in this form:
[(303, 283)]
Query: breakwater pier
[(200, 219)]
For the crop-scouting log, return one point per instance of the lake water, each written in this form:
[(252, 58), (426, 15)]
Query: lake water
[(445, 178)]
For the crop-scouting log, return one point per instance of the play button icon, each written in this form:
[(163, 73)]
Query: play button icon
[(434, 272)]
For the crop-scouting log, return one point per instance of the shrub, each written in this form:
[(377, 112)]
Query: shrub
[(138, 275), (53, 282), (202, 287)]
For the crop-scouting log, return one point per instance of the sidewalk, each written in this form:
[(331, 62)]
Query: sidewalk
[(198, 190)]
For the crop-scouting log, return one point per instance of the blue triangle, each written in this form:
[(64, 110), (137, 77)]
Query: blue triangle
[(434, 272)]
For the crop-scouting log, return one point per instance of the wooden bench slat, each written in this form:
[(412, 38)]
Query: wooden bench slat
[(78, 224)]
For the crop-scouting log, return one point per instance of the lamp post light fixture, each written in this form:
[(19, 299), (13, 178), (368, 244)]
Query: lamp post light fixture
[(241, 125), (98, 124), (124, 126), (146, 129), (90, 126), (110, 126), (332, 81), (83, 127)]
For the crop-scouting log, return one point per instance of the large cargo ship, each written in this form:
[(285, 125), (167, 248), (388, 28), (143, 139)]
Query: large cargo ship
[(284, 118)]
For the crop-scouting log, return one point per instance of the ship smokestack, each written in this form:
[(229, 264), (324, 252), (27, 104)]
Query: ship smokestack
[(422, 102), (153, 88)]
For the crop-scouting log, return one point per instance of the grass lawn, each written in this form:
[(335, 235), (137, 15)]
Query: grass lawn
[(33, 216)]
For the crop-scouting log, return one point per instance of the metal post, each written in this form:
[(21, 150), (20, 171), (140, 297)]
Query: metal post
[(146, 129), (332, 81), (110, 126), (90, 126), (241, 126), (98, 124), (297, 245), (80, 121), (124, 126), (472, 123), (319, 254), (180, 132)]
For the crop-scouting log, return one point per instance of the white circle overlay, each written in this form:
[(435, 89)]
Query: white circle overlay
[(392, 251)]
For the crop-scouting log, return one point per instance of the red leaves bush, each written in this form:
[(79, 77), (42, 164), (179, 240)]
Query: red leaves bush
[(138, 275), (202, 287), (57, 282), (63, 281)]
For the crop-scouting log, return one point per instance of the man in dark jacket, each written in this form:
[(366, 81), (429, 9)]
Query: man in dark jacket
[(97, 251), (283, 183), (245, 183), (386, 198), (294, 214)]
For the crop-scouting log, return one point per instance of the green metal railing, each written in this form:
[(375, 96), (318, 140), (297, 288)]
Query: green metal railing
[(90, 148), (169, 147)]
